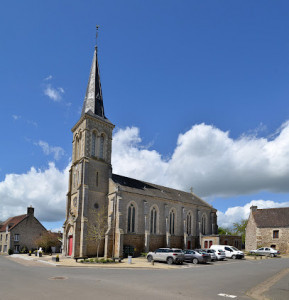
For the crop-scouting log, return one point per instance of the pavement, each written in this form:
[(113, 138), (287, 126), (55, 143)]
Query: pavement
[(138, 262)]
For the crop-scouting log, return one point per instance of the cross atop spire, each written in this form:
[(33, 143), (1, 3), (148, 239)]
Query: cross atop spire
[(93, 100)]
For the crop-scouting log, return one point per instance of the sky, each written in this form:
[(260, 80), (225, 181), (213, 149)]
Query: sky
[(198, 91)]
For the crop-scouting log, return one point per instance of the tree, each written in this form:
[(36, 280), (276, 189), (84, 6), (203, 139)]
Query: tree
[(224, 230), (97, 228), (47, 240), (240, 228)]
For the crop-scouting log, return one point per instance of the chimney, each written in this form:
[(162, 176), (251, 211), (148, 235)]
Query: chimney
[(253, 208), (30, 211)]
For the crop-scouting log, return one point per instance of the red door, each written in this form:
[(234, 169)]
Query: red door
[(206, 244), (70, 245), (210, 244)]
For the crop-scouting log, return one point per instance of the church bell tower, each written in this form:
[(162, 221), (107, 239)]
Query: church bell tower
[(90, 170)]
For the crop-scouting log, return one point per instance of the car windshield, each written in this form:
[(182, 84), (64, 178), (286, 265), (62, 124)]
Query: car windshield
[(235, 249), (177, 250)]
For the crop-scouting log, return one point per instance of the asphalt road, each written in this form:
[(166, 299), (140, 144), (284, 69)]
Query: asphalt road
[(233, 277)]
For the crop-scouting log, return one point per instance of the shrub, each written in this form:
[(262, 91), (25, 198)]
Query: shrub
[(10, 251), (82, 261), (91, 260)]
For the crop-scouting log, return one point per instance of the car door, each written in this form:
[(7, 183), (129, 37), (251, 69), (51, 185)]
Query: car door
[(157, 254), (267, 251), (260, 251), (228, 251)]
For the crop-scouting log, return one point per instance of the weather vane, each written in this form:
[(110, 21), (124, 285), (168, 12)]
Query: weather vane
[(97, 26)]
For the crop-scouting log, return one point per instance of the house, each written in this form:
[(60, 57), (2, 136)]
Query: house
[(268, 228), (140, 215), (19, 232)]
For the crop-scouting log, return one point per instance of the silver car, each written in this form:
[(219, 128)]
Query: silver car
[(197, 256), (170, 255), (266, 251), (212, 253), (220, 254)]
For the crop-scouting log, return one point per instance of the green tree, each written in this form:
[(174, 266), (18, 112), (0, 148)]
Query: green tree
[(240, 228), (224, 230), (47, 240)]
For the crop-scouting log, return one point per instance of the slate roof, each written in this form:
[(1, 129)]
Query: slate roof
[(272, 217), (11, 222), (149, 189)]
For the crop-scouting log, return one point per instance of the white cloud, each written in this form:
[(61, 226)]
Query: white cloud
[(49, 77), (16, 117), (54, 94), (209, 160), (45, 190), (238, 213), (47, 149)]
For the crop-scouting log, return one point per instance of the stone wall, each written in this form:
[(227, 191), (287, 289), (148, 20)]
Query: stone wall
[(136, 241), (264, 237), (250, 237)]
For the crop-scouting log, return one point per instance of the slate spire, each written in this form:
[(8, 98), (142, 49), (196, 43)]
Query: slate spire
[(93, 100)]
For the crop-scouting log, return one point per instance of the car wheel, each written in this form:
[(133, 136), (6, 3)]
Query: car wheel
[(170, 261), (195, 261), (272, 255), (149, 258), (233, 256)]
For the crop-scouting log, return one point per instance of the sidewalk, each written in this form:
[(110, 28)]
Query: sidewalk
[(138, 262)]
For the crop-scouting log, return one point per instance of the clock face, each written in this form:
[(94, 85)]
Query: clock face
[(75, 202)]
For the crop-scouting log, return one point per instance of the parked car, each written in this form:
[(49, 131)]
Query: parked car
[(212, 252), (170, 255), (221, 255), (266, 251), (197, 256), (230, 251)]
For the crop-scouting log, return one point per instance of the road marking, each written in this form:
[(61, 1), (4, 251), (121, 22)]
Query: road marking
[(227, 295)]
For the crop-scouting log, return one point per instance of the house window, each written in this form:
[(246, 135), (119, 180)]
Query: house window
[(16, 237), (189, 224), (275, 234), (131, 219), (172, 222), (236, 243), (1, 237), (6, 237), (17, 249), (154, 221)]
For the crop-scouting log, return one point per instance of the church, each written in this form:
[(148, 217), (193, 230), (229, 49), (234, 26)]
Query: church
[(139, 215)]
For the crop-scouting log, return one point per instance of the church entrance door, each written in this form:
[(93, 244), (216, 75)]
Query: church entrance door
[(70, 245)]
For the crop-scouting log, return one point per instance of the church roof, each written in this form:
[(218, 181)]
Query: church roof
[(93, 101), (272, 217), (11, 222), (149, 189)]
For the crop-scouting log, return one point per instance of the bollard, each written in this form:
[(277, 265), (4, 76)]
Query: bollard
[(153, 262), (255, 257)]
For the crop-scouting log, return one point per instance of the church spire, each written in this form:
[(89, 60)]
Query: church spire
[(93, 100)]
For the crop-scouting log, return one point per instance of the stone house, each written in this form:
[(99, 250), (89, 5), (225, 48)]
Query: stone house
[(268, 228), (20, 231), (140, 215)]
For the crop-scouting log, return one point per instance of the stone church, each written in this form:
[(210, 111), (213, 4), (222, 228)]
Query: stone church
[(141, 215)]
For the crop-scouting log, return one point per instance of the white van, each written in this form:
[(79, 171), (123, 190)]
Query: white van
[(230, 251)]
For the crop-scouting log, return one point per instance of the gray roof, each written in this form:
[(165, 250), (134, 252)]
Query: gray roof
[(149, 189), (272, 217), (93, 101)]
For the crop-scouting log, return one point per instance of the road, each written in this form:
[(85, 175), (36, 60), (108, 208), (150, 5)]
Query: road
[(233, 277)]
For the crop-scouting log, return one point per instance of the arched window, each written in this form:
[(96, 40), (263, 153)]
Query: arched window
[(101, 144), (93, 143), (189, 223), (172, 222), (76, 149), (204, 221), (131, 218), (153, 221)]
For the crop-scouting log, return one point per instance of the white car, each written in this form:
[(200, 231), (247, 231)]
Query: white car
[(220, 254), (170, 255), (266, 251), (230, 251)]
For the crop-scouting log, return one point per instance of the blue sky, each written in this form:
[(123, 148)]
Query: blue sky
[(200, 88)]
